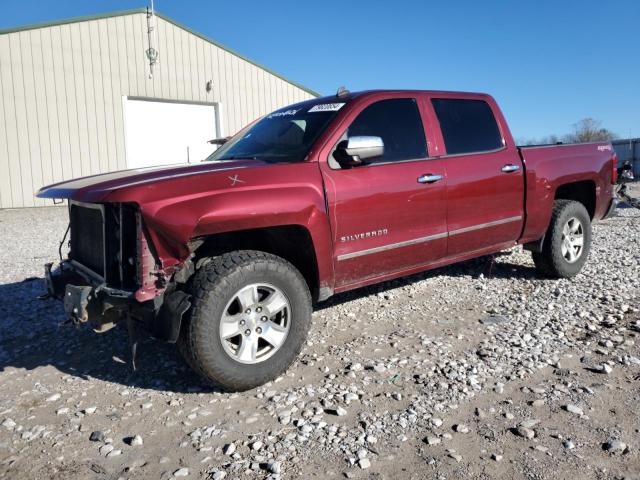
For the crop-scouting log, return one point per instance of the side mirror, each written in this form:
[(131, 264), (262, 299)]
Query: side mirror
[(353, 151)]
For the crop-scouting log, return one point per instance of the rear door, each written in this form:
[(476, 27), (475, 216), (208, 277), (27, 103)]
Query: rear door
[(485, 185), (384, 216)]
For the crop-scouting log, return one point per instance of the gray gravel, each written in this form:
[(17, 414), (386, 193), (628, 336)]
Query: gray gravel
[(441, 373)]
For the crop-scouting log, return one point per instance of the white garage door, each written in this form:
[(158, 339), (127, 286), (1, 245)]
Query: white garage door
[(162, 133)]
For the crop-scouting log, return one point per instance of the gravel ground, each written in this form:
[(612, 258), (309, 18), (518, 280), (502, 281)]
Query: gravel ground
[(479, 370)]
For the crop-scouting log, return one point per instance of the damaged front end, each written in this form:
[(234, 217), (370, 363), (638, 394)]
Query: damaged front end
[(87, 299), (112, 274)]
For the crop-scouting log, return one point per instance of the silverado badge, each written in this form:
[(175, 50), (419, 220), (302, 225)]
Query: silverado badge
[(362, 235)]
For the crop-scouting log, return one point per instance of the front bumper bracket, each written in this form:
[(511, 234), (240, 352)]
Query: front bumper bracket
[(76, 302)]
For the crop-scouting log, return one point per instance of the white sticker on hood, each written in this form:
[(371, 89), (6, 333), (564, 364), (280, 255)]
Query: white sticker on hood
[(326, 107)]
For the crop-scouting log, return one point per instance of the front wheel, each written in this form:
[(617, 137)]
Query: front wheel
[(567, 241), (250, 317)]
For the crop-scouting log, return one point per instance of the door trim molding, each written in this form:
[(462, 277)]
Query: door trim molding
[(391, 246), (415, 241), (485, 225)]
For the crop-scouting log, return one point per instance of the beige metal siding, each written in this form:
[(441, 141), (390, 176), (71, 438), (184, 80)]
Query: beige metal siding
[(61, 89)]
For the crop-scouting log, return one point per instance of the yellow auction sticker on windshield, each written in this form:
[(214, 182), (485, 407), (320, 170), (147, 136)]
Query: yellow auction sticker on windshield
[(326, 107)]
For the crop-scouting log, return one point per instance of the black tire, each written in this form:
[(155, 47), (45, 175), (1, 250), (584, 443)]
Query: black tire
[(213, 286), (550, 261)]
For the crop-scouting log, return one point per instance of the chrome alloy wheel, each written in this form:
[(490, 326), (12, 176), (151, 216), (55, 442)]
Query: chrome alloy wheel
[(572, 240), (255, 323)]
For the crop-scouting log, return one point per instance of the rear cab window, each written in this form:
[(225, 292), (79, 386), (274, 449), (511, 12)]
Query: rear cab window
[(467, 126)]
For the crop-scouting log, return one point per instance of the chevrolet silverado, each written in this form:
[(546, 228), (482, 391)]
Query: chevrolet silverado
[(227, 257)]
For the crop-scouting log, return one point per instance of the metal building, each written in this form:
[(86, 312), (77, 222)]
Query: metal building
[(76, 98)]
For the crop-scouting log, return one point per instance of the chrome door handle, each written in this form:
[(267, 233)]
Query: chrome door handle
[(429, 178), (510, 168)]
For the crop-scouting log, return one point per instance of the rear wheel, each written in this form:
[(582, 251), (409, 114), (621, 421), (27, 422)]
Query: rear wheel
[(567, 241), (250, 317)]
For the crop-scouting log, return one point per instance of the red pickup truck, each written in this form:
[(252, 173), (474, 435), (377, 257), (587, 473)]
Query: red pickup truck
[(226, 257)]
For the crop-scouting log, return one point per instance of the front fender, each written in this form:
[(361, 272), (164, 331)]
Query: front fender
[(276, 195)]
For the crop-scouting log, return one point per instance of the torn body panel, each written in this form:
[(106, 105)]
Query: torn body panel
[(142, 238), (180, 205)]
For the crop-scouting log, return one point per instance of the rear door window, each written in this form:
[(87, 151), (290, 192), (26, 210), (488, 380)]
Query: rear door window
[(468, 126), (397, 121)]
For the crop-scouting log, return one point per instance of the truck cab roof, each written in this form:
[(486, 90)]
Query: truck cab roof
[(363, 93)]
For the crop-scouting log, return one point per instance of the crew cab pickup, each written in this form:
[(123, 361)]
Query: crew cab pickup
[(227, 257)]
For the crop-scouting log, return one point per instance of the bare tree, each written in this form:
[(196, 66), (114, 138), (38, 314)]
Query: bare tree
[(586, 130), (549, 139), (589, 130)]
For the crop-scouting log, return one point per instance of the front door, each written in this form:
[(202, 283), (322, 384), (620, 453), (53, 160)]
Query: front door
[(389, 214)]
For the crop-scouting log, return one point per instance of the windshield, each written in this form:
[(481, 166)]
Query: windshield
[(285, 135)]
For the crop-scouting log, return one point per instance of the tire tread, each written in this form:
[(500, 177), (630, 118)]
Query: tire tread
[(550, 262), (195, 336)]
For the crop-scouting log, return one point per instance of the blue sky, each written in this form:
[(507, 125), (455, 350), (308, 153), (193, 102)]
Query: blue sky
[(549, 63)]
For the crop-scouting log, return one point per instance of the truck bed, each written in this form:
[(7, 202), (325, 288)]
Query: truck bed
[(549, 166)]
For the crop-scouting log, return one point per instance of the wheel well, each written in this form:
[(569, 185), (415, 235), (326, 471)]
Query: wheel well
[(583, 192), (291, 242)]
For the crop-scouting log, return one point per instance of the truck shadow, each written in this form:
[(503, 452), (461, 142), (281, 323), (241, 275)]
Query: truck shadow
[(491, 266), (32, 336)]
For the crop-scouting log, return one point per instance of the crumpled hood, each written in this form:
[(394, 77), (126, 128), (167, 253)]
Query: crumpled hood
[(182, 202), (95, 188)]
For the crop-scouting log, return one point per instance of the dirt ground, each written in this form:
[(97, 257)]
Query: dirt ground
[(442, 375)]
